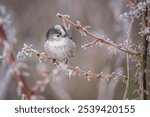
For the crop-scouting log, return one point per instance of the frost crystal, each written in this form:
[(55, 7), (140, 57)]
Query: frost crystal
[(24, 52), (124, 16), (66, 24), (84, 46), (145, 31), (71, 73), (141, 6), (59, 14)]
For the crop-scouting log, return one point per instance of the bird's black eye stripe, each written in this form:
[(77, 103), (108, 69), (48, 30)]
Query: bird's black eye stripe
[(64, 28), (58, 35)]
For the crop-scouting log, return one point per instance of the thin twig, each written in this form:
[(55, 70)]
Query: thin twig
[(91, 43), (127, 59)]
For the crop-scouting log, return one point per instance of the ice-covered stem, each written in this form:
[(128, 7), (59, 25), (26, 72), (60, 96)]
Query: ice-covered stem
[(127, 59), (108, 77), (27, 50), (41, 56), (143, 56), (84, 31), (11, 60)]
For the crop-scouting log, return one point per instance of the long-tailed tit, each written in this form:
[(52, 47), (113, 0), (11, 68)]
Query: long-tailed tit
[(58, 44)]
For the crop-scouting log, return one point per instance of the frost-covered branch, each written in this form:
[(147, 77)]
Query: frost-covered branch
[(143, 56), (28, 51), (85, 32), (127, 59)]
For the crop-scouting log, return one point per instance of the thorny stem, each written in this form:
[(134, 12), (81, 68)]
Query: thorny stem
[(127, 59), (11, 60), (97, 39), (143, 57)]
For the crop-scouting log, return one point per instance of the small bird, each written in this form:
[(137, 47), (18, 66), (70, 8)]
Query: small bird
[(58, 44)]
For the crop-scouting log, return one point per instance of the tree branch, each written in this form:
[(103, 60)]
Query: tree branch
[(84, 31), (28, 51)]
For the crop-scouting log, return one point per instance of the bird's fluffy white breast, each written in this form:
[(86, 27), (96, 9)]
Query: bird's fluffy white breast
[(60, 49)]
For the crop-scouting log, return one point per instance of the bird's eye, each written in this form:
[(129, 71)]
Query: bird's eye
[(58, 35)]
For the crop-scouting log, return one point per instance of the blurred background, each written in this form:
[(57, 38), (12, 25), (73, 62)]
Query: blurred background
[(29, 21)]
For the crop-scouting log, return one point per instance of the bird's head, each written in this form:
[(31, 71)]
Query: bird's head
[(56, 32)]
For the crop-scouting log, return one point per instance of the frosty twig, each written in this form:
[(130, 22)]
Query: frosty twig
[(84, 31)]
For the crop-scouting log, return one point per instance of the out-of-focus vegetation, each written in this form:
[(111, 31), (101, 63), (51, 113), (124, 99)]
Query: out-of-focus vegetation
[(27, 21)]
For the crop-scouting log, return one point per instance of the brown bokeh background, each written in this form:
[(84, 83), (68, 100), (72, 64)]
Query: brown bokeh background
[(32, 18)]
